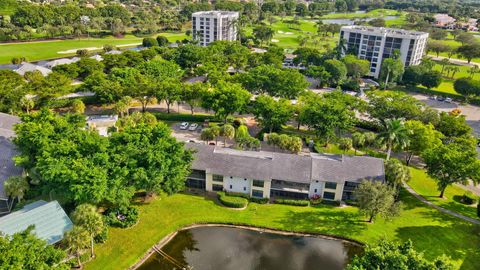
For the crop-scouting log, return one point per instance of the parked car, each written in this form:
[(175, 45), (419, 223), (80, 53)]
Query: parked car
[(193, 127), (440, 98), (432, 97), (184, 125), (211, 143), (448, 100)]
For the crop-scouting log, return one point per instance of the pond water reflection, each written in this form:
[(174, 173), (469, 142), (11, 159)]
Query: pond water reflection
[(225, 248)]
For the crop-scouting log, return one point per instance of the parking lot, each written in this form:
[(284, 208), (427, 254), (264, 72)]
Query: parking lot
[(187, 134)]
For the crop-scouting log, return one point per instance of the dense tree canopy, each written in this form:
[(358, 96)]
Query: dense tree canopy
[(24, 250)]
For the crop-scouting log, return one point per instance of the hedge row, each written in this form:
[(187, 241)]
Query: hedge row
[(292, 202), (183, 117), (232, 201), (251, 199)]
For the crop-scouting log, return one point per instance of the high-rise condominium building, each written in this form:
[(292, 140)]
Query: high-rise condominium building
[(378, 43), (208, 26)]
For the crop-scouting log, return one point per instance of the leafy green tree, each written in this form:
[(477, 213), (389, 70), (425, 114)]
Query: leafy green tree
[(11, 91), (326, 116), (226, 99), (160, 70), (394, 135), (455, 162), (431, 79), (77, 240), (270, 113), (421, 138), (376, 199), (87, 216), (16, 186), (149, 42), (151, 158), (391, 256), (319, 73), (394, 104), (358, 140), (189, 56), (263, 34), (241, 132), (453, 126), (467, 86), (170, 92), (78, 106), (464, 38), (337, 71), (88, 66), (24, 250), (207, 135), (162, 41), (356, 68), (192, 94), (469, 51), (396, 173)]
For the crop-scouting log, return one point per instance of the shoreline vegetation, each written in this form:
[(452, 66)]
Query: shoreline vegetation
[(170, 236)]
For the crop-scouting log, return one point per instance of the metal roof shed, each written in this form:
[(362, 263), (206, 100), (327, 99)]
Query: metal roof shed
[(49, 219)]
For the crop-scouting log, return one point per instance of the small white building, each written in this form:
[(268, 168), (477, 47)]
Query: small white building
[(28, 67), (377, 43), (61, 61), (208, 26)]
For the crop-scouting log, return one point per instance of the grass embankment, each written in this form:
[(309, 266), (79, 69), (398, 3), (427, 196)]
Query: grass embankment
[(430, 230), (426, 186), (41, 50)]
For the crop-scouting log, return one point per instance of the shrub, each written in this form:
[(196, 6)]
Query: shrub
[(469, 198), (259, 200), (467, 86), (162, 41), (123, 217), (328, 202), (315, 200), (102, 236), (351, 85), (292, 202), (232, 201), (149, 42)]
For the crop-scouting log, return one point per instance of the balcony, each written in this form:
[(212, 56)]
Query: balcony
[(290, 186)]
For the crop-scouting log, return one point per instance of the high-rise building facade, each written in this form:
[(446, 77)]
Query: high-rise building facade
[(208, 26), (377, 43)]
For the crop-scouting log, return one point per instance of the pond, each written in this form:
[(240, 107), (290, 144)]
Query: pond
[(226, 248), (352, 21)]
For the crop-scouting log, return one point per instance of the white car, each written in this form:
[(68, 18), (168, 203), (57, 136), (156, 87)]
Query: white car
[(448, 100), (184, 125), (193, 127)]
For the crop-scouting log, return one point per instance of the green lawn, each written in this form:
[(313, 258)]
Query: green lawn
[(376, 13), (431, 231), (426, 186), (41, 50)]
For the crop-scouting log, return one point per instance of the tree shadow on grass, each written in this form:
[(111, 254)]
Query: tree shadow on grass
[(337, 222), (459, 241)]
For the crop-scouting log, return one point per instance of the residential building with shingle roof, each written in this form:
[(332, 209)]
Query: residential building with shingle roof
[(48, 218), (7, 152), (265, 174)]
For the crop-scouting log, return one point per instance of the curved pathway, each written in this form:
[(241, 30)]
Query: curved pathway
[(441, 209)]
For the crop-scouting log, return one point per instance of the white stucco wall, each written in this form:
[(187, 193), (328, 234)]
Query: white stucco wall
[(238, 184), (318, 186)]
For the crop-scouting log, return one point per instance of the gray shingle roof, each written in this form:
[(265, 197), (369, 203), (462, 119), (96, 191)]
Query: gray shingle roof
[(6, 125), (49, 219), (7, 166), (7, 150), (281, 166)]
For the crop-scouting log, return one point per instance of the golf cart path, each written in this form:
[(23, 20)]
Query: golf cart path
[(441, 209)]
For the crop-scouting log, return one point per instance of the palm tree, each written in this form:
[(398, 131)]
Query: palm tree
[(358, 141), (454, 70), (394, 135), (341, 48), (228, 132), (444, 63), (87, 216), (78, 240), (16, 186), (207, 135), (396, 173), (473, 70), (27, 104)]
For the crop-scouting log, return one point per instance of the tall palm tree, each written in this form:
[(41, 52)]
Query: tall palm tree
[(394, 135), (16, 186), (396, 173), (341, 48), (87, 216), (77, 241), (228, 132)]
